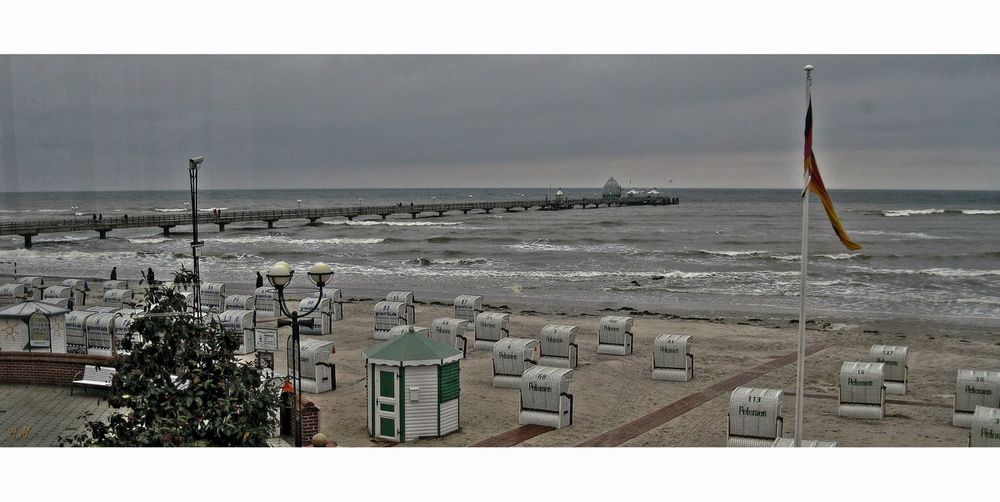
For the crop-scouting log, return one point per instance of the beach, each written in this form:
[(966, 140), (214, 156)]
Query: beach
[(610, 392)]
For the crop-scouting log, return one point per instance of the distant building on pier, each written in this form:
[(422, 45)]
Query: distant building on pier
[(612, 190)]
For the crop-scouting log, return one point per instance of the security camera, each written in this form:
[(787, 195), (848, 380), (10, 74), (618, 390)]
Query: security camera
[(196, 161)]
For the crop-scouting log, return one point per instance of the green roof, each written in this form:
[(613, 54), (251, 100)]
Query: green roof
[(412, 347)]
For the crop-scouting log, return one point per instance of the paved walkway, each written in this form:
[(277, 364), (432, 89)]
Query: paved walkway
[(34, 415)]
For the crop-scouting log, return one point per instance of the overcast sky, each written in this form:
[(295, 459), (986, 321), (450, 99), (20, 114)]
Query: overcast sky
[(130, 122)]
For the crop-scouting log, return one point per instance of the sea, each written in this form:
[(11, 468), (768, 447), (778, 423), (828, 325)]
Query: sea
[(926, 254)]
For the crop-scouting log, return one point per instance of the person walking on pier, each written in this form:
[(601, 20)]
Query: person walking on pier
[(260, 280), (114, 273), (94, 215), (100, 216), (150, 279)]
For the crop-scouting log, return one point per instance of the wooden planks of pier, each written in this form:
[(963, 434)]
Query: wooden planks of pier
[(31, 228)]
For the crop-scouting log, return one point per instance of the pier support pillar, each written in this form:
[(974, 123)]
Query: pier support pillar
[(384, 215), (312, 221), (270, 223), (441, 213), (103, 233), (413, 216), (27, 240), (166, 229), (487, 210), (465, 211), (222, 227), (349, 218)]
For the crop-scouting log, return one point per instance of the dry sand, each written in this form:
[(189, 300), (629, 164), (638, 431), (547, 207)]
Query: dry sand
[(610, 391)]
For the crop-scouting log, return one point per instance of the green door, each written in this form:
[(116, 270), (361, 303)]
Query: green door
[(387, 403)]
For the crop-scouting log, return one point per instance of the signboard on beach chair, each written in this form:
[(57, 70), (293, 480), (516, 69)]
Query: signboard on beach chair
[(558, 348), (862, 391), (755, 417), (974, 388)]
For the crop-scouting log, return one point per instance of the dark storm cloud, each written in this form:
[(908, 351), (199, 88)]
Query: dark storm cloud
[(83, 122)]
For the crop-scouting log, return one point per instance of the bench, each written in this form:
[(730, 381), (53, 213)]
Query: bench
[(93, 376)]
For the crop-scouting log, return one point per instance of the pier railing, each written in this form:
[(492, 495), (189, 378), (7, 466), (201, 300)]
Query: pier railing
[(27, 229)]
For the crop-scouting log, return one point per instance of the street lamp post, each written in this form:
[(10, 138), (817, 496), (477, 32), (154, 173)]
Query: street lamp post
[(193, 165), (300, 204), (280, 276)]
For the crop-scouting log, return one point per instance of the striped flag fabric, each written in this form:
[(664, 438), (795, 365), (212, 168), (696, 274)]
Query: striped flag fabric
[(816, 186)]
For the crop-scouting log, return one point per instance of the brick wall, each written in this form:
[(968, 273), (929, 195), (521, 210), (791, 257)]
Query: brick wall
[(310, 421), (46, 368)]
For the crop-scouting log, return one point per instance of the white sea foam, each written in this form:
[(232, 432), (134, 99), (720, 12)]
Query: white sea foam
[(914, 235), (150, 240), (169, 209), (275, 239), (67, 238), (990, 300), (368, 223), (841, 256), (734, 254), (936, 272), (212, 209), (910, 212), (543, 245), (957, 272), (981, 211)]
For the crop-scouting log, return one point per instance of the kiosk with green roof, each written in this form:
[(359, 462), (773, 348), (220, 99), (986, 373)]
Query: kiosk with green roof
[(412, 388)]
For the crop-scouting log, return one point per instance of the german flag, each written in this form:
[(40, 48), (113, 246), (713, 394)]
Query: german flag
[(816, 184)]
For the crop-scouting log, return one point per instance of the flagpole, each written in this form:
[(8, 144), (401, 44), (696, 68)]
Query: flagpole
[(801, 366)]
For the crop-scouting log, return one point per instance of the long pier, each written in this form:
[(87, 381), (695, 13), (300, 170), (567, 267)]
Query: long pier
[(31, 228)]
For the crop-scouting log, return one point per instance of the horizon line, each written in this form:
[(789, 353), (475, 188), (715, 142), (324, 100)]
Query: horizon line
[(146, 190)]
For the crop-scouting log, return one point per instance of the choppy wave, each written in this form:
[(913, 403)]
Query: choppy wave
[(936, 272), (892, 213), (65, 238), (989, 300), (842, 256), (169, 209), (910, 212), (210, 209), (277, 239), (150, 240), (543, 245), (426, 262), (369, 223), (734, 254), (913, 235)]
